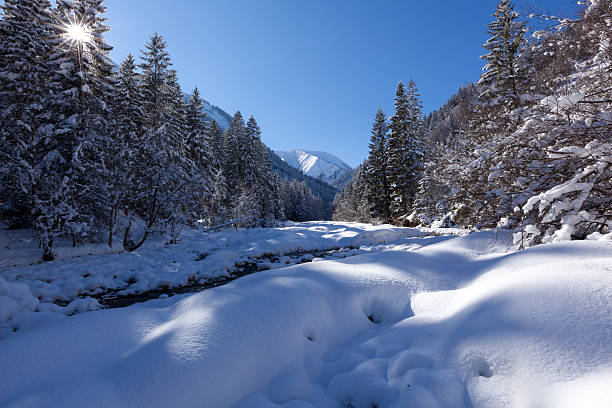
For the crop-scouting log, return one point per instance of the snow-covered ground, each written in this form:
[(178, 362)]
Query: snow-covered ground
[(31, 293), (428, 321)]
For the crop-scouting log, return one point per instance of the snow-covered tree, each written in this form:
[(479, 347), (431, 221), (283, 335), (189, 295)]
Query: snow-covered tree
[(201, 155), (570, 189), (377, 172), (233, 142), (163, 174), (70, 194), (215, 138), (351, 203), (27, 36), (405, 150), (124, 146), (505, 69)]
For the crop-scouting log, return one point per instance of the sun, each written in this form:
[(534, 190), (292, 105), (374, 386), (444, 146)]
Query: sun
[(78, 33)]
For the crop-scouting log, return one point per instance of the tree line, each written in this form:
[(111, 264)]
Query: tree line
[(528, 147), (88, 149)]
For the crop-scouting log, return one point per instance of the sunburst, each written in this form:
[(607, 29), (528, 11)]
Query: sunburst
[(77, 33)]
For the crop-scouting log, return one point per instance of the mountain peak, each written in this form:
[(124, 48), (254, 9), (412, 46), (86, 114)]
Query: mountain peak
[(322, 165)]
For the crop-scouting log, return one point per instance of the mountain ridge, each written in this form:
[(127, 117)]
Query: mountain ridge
[(314, 163)]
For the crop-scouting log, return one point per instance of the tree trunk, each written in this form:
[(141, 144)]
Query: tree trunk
[(111, 224), (48, 255)]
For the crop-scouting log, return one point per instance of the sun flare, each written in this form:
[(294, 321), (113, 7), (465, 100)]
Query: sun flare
[(78, 33)]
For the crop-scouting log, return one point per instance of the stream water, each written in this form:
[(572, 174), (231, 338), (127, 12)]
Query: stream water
[(114, 299)]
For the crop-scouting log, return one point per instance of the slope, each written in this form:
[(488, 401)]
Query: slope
[(321, 165)]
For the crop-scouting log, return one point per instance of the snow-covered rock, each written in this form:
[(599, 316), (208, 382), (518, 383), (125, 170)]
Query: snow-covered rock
[(321, 165)]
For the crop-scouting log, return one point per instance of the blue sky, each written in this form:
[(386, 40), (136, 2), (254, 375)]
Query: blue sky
[(314, 72)]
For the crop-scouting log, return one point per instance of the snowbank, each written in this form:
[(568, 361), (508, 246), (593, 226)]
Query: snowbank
[(197, 258), (458, 323)]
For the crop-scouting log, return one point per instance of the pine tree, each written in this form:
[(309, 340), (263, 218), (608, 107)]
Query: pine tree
[(175, 115), (164, 171), (351, 203), (405, 150), (126, 138), (215, 138), (219, 205), (70, 192), (200, 154), (493, 166), (505, 69), (378, 192), (259, 173), (233, 140), (26, 38)]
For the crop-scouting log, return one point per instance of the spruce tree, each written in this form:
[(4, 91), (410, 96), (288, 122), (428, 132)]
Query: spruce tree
[(233, 140), (378, 193), (505, 68), (26, 39), (198, 142), (126, 138), (163, 172), (200, 154), (215, 138), (492, 165), (70, 194), (405, 150), (259, 173)]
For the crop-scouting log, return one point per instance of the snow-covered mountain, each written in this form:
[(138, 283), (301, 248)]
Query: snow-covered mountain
[(222, 118), (321, 165), (219, 115)]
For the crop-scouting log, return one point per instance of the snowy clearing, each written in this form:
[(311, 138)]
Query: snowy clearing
[(427, 322)]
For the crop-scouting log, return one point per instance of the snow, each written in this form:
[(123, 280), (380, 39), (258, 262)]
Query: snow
[(427, 322), (89, 271), (562, 103), (321, 165)]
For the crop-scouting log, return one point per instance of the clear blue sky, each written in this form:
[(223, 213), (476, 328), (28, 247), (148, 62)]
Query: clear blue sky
[(313, 72)]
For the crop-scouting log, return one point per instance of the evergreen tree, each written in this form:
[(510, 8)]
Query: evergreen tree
[(233, 141), (492, 164), (505, 69), (378, 192), (175, 116), (198, 138), (200, 154), (70, 193), (405, 150), (351, 203), (215, 138), (26, 38), (163, 174), (259, 173), (127, 136)]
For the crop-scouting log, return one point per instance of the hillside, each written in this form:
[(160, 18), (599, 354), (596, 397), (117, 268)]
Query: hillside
[(317, 164), (325, 191)]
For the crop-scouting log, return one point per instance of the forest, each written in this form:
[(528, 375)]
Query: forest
[(95, 151), (528, 147), (89, 149)]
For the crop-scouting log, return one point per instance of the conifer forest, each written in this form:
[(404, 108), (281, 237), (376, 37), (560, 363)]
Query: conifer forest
[(527, 147)]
